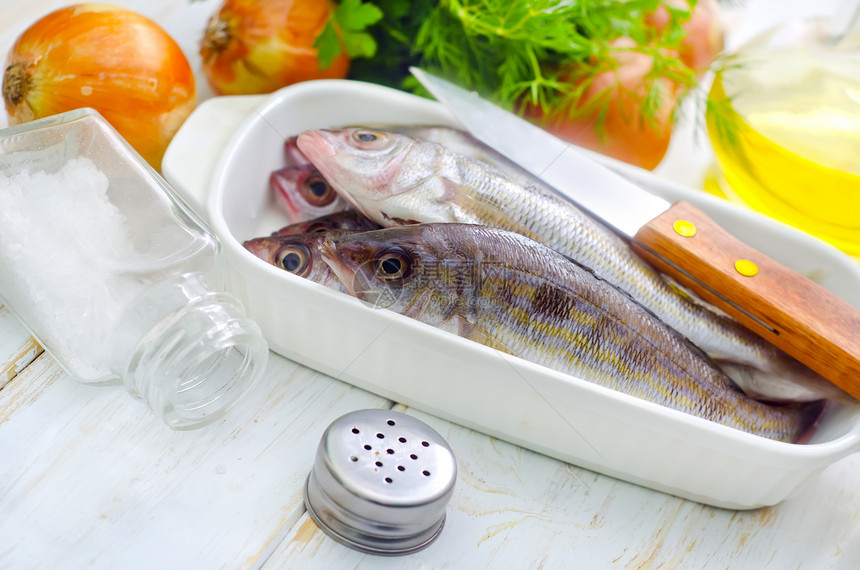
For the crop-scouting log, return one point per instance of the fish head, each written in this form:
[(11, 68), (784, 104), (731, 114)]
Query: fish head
[(414, 270), (345, 220), (292, 154), (311, 226), (298, 254), (371, 168), (303, 193)]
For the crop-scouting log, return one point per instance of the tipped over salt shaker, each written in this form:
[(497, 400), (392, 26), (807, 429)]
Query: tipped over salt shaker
[(114, 276)]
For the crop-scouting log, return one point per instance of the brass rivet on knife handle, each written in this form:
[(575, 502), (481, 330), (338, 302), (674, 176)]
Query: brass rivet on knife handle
[(746, 267), (804, 319), (684, 228)]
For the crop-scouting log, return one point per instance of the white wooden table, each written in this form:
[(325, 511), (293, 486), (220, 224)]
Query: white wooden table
[(89, 478)]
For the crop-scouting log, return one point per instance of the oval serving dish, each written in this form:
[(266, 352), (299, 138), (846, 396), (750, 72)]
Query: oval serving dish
[(241, 139)]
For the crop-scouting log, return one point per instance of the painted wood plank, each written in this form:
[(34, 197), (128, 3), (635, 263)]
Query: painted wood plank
[(89, 477), (17, 347), (514, 508)]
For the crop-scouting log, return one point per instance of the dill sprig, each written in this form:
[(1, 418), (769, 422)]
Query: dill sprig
[(539, 53)]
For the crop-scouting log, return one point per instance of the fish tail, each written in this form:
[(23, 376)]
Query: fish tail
[(790, 423), (810, 416)]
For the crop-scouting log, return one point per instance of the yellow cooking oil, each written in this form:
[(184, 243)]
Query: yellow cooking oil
[(785, 127)]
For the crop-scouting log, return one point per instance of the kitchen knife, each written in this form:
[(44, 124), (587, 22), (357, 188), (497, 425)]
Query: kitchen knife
[(804, 319)]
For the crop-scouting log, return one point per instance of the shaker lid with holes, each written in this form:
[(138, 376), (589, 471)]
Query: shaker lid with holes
[(381, 482)]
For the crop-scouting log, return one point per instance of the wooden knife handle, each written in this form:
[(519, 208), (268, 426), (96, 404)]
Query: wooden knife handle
[(789, 310)]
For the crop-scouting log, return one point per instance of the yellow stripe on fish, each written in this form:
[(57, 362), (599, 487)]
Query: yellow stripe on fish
[(514, 294), (396, 179)]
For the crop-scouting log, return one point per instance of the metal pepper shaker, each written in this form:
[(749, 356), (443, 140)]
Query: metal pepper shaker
[(381, 482)]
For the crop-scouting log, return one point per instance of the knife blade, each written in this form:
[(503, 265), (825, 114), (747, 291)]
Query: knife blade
[(804, 319)]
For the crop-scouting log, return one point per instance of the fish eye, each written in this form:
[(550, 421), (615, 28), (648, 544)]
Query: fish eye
[(318, 227), (367, 139), (317, 191), (365, 136), (294, 258), (393, 264)]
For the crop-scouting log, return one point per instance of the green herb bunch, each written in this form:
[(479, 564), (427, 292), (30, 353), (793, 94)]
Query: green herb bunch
[(517, 52)]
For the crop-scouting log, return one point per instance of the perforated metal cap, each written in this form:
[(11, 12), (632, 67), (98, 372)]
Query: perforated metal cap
[(381, 482)]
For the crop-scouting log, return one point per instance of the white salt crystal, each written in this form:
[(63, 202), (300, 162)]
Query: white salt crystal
[(61, 240)]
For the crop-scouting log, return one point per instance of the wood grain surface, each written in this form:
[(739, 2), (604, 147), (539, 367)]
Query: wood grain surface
[(17, 347), (89, 478)]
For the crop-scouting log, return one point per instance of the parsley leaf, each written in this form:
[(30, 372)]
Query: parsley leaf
[(352, 17), (328, 45), (355, 16)]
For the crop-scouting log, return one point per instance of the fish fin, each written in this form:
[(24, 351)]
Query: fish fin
[(782, 387), (470, 330), (467, 329), (450, 189), (690, 296)]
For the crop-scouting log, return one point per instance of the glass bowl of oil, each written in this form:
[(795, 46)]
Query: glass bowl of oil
[(783, 116)]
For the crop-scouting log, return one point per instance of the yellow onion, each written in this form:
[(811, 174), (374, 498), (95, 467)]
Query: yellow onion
[(108, 58), (258, 46)]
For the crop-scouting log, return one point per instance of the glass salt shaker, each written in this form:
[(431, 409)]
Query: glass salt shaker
[(116, 277)]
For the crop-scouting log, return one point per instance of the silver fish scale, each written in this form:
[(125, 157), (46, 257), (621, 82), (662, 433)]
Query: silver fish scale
[(416, 181), (545, 217), (538, 212), (531, 302)]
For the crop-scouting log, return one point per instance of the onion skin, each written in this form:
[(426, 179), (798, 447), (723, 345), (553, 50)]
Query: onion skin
[(259, 46), (625, 132), (704, 39), (111, 59)]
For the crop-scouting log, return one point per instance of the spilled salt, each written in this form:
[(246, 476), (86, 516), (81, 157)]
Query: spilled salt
[(61, 242)]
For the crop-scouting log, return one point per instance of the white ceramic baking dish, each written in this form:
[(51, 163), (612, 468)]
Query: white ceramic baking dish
[(220, 162)]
